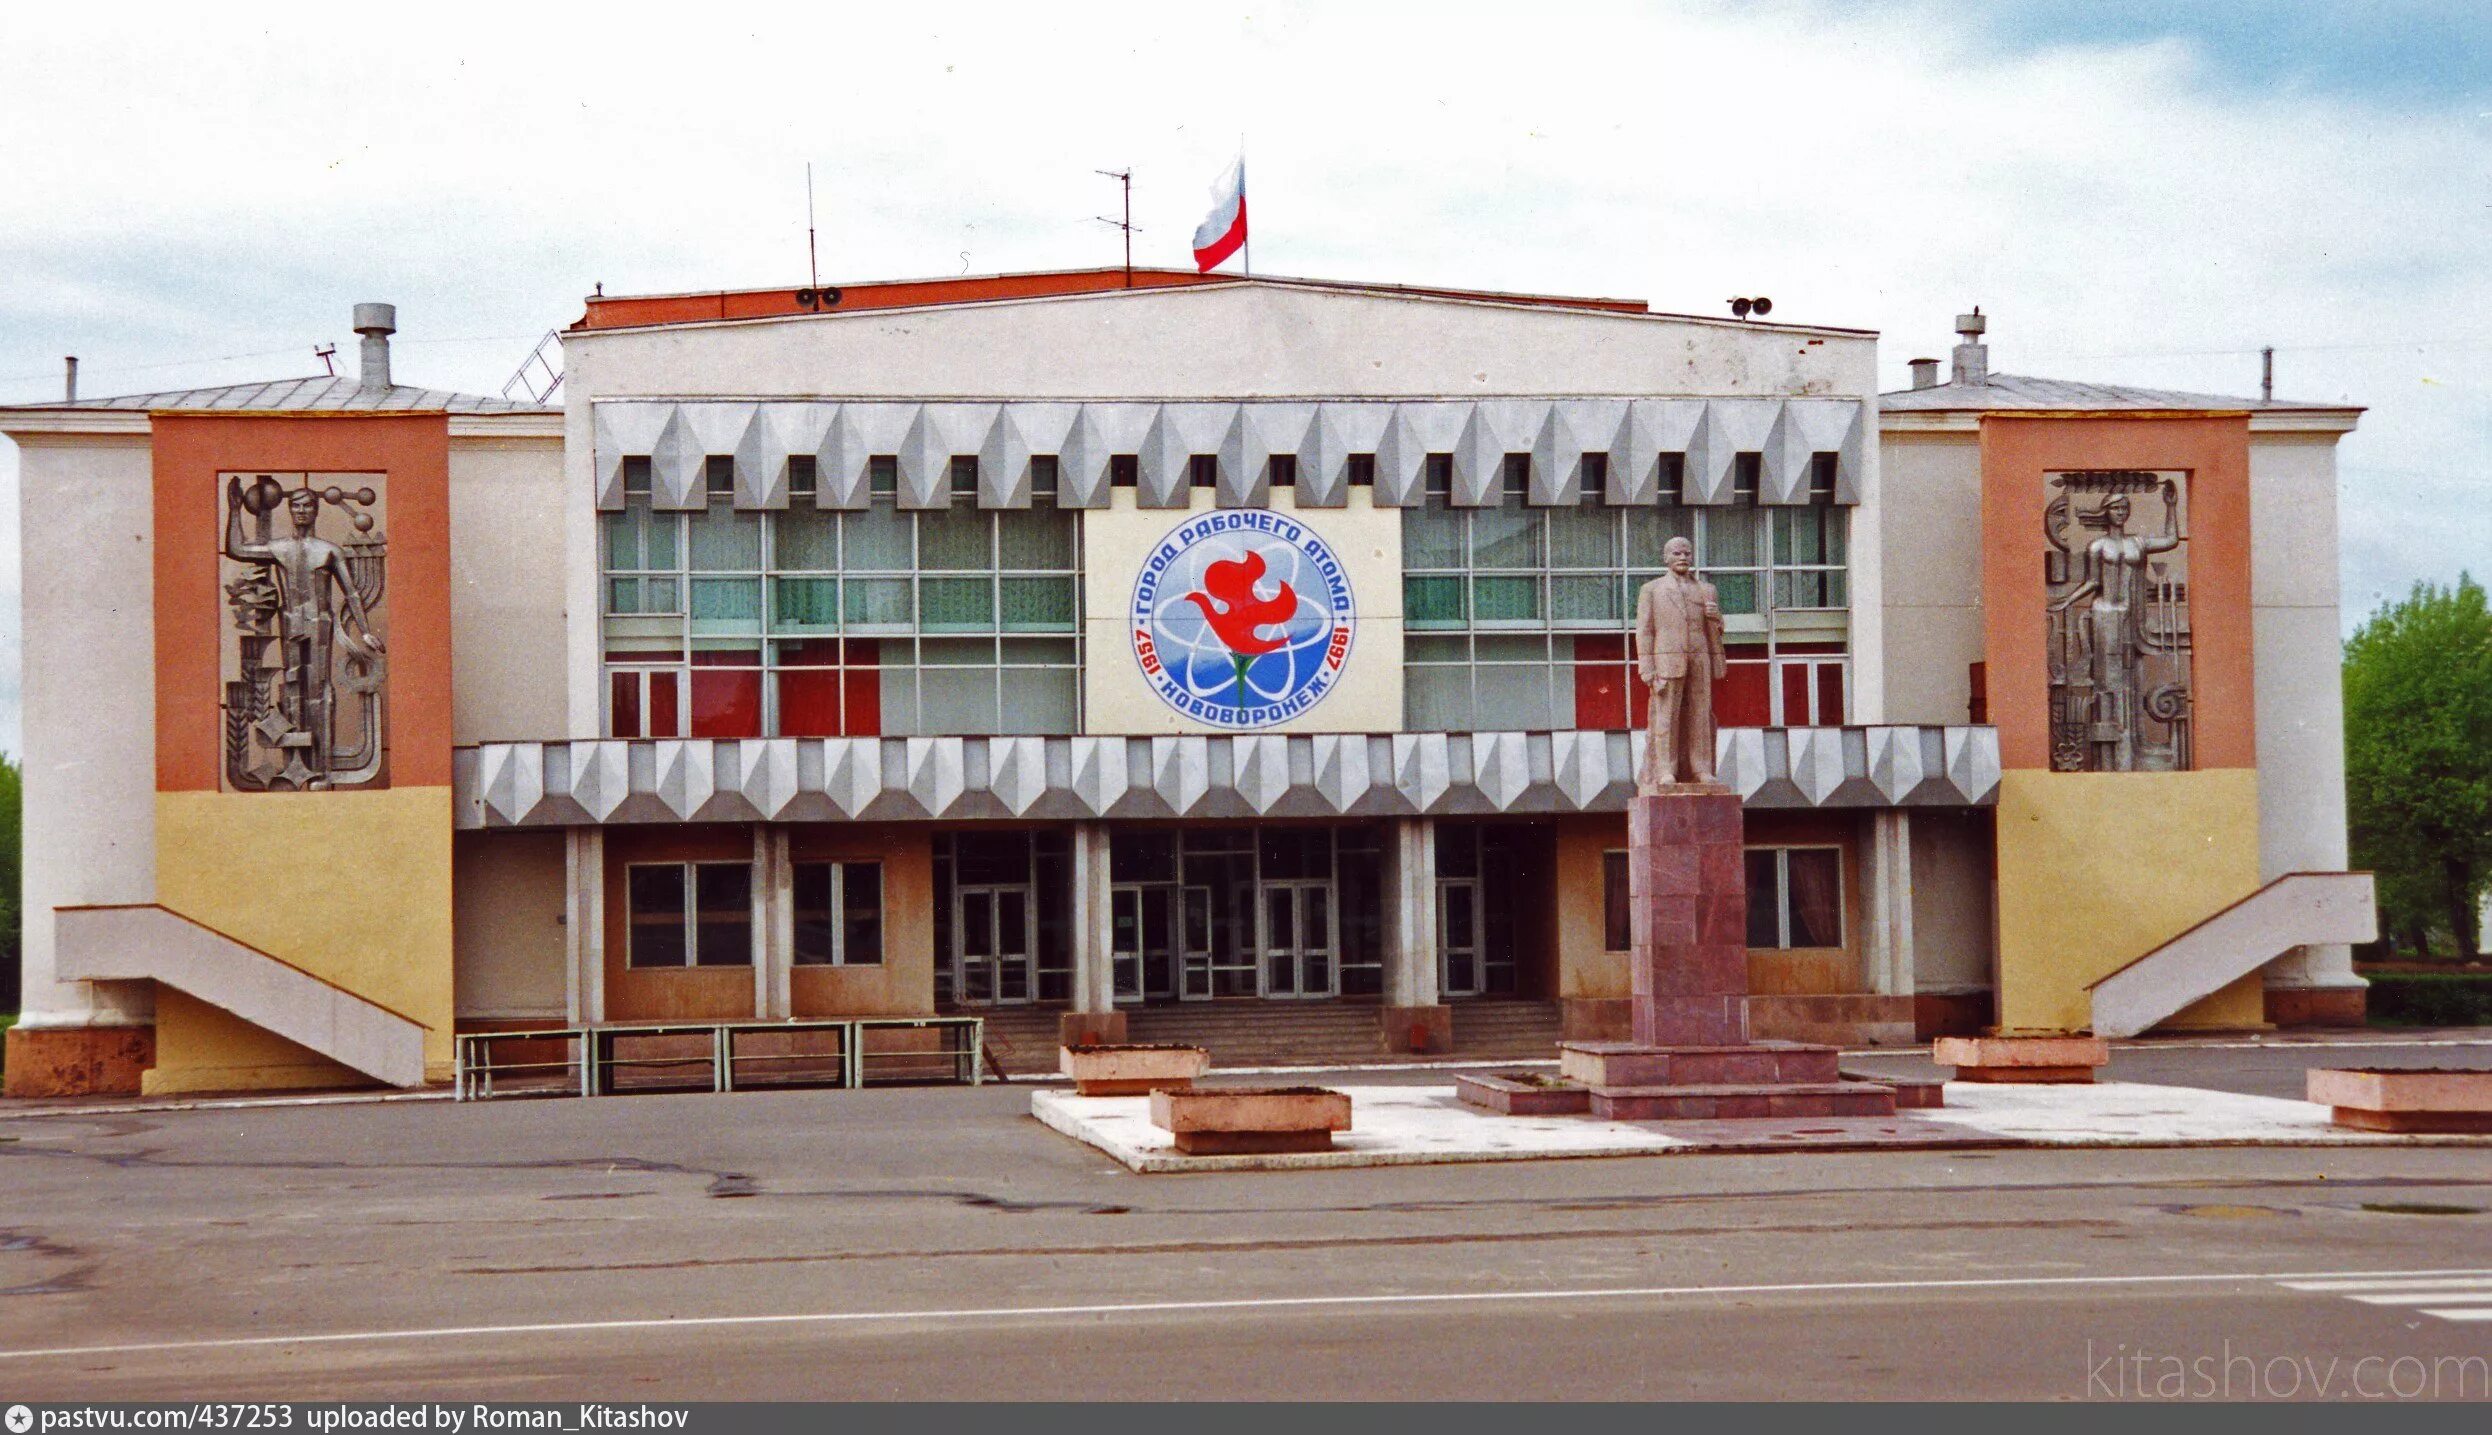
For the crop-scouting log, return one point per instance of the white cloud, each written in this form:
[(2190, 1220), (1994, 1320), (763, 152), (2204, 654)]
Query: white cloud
[(201, 189)]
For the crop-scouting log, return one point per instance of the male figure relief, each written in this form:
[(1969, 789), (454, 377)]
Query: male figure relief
[(1678, 653)]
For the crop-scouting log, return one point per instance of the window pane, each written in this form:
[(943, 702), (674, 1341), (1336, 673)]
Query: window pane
[(805, 540), (1599, 600), (1583, 538), (812, 884), (1505, 537), (665, 705), (623, 539), (1816, 897), (1734, 538), (1431, 538), (726, 702), (623, 704), (1649, 530), (1432, 602), (861, 914), (723, 908), (659, 532), (1040, 700), (1738, 591), (1505, 600), (1764, 899), (1038, 605), (726, 605), (1035, 538), (725, 541), (880, 539), (954, 540), (1617, 931), (1437, 699), (657, 915), (876, 601), (804, 605), (956, 604), (1515, 698)]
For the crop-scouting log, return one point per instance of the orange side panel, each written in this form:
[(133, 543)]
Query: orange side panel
[(2018, 452), (190, 451)]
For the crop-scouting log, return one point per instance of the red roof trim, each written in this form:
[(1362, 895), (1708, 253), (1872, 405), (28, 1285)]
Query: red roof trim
[(620, 312)]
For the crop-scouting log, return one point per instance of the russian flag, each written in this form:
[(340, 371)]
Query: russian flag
[(1223, 231)]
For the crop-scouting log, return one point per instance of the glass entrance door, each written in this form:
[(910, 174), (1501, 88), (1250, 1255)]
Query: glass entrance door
[(1458, 937), (992, 960), (1298, 941), (1143, 942)]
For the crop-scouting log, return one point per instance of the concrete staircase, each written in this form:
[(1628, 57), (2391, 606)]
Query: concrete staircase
[(152, 943), (2297, 909), (1280, 1033)]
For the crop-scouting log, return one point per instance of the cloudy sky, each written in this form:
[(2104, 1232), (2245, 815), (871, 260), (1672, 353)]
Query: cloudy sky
[(2132, 195)]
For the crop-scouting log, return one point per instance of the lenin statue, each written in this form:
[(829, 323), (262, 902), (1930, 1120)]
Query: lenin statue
[(1678, 653)]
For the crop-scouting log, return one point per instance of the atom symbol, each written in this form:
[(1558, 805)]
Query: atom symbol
[(1205, 667)]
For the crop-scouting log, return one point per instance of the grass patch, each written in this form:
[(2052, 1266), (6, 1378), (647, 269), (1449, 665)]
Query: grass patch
[(2419, 1208)]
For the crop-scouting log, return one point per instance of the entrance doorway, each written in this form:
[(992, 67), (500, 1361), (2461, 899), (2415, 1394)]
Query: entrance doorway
[(1458, 937), (1298, 941), (1160, 937), (1276, 912), (994, 963)]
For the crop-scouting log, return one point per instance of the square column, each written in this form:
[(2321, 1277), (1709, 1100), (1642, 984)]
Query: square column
[(1886, 876), (584, 925), (1094, 1017), (1415, 1017), (774, 924)]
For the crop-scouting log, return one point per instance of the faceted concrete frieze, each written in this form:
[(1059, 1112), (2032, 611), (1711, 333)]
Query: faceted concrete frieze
[(1141, 778), (1098, 772), (678, 439)]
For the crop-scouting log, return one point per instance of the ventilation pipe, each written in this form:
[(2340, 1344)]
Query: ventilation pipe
[(70, 378), (375, 322), (1972, 355), (1925, 373)]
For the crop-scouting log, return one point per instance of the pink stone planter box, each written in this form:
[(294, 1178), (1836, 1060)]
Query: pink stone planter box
[(2034, 1059), (2387, 1099), (1508, 1096), (1243, 1120), (1131, 1070)]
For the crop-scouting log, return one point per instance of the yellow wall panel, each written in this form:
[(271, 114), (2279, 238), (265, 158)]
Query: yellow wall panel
[(2098, 868), (352, 887)]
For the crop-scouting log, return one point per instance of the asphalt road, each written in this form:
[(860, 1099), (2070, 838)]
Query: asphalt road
[(938, 1243)]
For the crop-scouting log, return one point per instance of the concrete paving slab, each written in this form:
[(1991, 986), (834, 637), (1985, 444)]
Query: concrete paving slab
[(1427, 1125)]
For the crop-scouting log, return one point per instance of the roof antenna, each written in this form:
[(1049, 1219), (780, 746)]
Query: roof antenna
[(813, 265), (327, 355), (1124, 177)]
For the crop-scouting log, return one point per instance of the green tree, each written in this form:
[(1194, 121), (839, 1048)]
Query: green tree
[(2418, 757)]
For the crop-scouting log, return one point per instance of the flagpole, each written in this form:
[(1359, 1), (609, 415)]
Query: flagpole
[(1241, 199)]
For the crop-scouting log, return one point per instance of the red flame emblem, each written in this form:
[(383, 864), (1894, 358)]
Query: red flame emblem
[(1240, 615)]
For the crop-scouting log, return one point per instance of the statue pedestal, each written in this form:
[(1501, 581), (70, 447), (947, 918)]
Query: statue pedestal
[(1691, 1056)]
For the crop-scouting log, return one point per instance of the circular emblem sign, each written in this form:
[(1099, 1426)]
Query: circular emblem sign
[(1242, 618)]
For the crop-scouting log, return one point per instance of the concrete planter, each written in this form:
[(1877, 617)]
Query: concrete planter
[(1516, 1096), (1251, 1120), (1132, 1070), (2386, 1099), (2031, 1059)]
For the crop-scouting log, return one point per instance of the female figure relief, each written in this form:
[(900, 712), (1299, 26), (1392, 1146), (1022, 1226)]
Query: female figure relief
[(2112, 572)]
